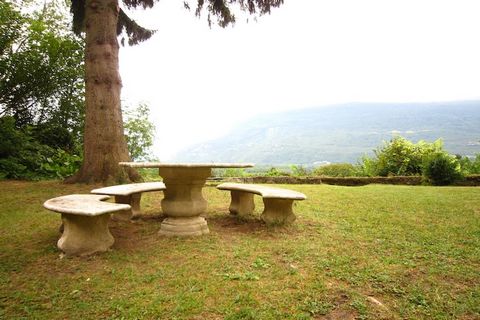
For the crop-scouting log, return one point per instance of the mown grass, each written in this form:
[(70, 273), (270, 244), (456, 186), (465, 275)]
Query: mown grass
[(372, 252)]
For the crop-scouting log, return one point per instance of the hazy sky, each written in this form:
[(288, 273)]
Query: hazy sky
[(200, 81)]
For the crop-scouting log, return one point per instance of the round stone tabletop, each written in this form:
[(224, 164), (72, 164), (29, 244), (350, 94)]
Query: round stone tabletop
[(185, 165)]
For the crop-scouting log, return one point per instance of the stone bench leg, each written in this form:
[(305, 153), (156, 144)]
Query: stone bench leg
[(84, 235), (134, 202), (278, 211), (242, 203)]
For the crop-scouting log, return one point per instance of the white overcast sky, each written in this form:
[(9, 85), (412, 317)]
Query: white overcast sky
[(199, 82)]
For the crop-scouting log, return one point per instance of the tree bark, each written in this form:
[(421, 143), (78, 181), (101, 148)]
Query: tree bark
[(104, 141)]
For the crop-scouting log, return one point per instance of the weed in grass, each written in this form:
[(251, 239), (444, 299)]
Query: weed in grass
[(245, 299), (292, 269), (244, 306), (260, 263), (187, 303), (244, 313), (316, 307), (360, 306), (418, 299), (153, 277), (251, 276), (247, 276)]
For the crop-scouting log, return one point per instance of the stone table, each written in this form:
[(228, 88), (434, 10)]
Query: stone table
[(183, 202)]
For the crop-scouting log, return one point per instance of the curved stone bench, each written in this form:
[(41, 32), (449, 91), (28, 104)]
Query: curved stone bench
[(85, 219), (130, 194), (278, 202)]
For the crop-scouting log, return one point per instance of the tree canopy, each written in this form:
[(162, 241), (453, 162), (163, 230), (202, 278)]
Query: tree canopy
[(139, 131), (41, 93), (41, 68)]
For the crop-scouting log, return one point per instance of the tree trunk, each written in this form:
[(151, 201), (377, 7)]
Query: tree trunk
[(104, 142)]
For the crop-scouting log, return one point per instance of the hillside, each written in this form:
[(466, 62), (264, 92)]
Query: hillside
[(342, 133)]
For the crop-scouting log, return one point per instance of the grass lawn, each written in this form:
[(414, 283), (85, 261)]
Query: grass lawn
[(372, 252)]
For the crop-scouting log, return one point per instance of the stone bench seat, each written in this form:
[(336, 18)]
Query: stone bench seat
[(130, 194), (85, 222), (278, 203)]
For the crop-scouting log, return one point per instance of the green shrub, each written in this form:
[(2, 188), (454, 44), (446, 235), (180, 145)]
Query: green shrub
[(400, 157), (441, 168), (299, 170), (22, 156), (11, 139), (60, 164), (470, 166), (230, 172), (54, 136), (338, 170), (475, 167), (11, 169), (368, 167), (274, 172), (36, 161)]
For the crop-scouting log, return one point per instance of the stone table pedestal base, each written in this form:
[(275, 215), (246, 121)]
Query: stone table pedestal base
[(195, 226), (183, 202)]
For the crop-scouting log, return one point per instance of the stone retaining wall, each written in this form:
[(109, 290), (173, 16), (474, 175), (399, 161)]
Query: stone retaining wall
[(473, 180)]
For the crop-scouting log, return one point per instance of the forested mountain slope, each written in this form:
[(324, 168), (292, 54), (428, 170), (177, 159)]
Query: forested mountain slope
[(342, 133)]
